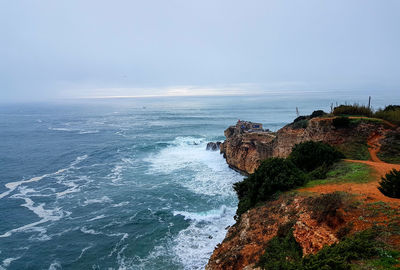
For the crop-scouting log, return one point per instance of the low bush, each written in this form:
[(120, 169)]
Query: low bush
[(324, 208), (272, 176), (354, 109), (390, 108), (284, 253), (320, 172), (339, 256), (344, 231), (390, 147), (390, 113), (318, 113), (310, 155), (390, 184), (341, 122), (300, 118), (300, 124)]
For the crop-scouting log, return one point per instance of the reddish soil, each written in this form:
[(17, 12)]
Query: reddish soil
[(368, 191)]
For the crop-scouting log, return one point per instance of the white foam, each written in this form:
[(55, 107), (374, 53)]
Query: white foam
[(45, 215), (88, 131), (61, 129), (13, 185), (207, 216), (212, 175), (89, 231), (103, 199), (97, 217), (195, 244), (84, 250), (8, 261), (120, 204), (55, 265), (116, 173)]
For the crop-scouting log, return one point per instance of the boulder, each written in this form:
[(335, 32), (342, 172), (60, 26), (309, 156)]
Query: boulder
[(213, 146)]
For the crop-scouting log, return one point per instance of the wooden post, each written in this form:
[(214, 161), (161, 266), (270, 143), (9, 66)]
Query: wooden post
[(369, 102)]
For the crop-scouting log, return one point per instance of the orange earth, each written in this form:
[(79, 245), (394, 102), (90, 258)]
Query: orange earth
[(368, 191)]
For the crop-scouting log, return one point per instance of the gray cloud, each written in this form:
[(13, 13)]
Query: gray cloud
[(57, 49)]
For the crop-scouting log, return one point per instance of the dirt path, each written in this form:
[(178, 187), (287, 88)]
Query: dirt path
[(368, 191), (374, 146)]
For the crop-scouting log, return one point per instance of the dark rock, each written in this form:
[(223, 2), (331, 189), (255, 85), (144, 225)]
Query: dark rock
[(213, 146)]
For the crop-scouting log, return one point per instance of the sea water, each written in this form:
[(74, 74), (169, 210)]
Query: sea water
[(125, 183)]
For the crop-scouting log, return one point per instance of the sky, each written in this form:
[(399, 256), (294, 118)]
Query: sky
[(94, 48)]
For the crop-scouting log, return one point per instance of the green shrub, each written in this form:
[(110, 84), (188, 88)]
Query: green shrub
[(354, 109), (390, 184), (300, 118), (344, 231), (300, 124), (310, 155), (390, 147), (284, 253), (391, 108), (317, 113), (324, 207), (320, 172), (272, 176), (391, 113), (341, 122), (339, 256)]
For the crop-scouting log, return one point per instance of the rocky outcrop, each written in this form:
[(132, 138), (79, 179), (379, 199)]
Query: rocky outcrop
[(246, 241), (213, 146), (245, 149)]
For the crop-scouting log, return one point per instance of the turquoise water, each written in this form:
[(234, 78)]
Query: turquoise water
[(124, 184)]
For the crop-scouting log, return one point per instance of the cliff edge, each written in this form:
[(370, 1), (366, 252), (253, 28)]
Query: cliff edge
[(244, 148), (324, 211)]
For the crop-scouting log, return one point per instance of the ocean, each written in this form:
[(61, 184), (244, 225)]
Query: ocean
[(126, 183)]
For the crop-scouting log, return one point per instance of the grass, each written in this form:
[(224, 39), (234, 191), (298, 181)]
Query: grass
[(387, 157), (390, 149), (344, 172), (391, 116), (355, 150), (361, 251), (387, 260), (364, 119)]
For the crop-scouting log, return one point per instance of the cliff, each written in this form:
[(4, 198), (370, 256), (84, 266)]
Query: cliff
[(323, 212), (244, 149)]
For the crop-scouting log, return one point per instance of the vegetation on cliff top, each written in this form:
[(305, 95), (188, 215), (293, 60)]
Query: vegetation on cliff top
[(344, 172), (390, 147), (272, 176), (390, 113), (390, 184), (309, 160), (310, 155), (284, 253), (354, 109)]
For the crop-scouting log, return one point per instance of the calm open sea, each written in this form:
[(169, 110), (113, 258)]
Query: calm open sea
[(126, 184)]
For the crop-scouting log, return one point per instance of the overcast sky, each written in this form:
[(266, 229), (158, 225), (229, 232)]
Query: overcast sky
[(85, 48)]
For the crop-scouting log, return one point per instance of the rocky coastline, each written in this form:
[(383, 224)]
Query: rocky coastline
[(245, 148)]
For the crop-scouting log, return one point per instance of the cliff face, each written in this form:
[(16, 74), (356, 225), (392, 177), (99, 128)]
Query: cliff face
[(244, 149), (246, 240)]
